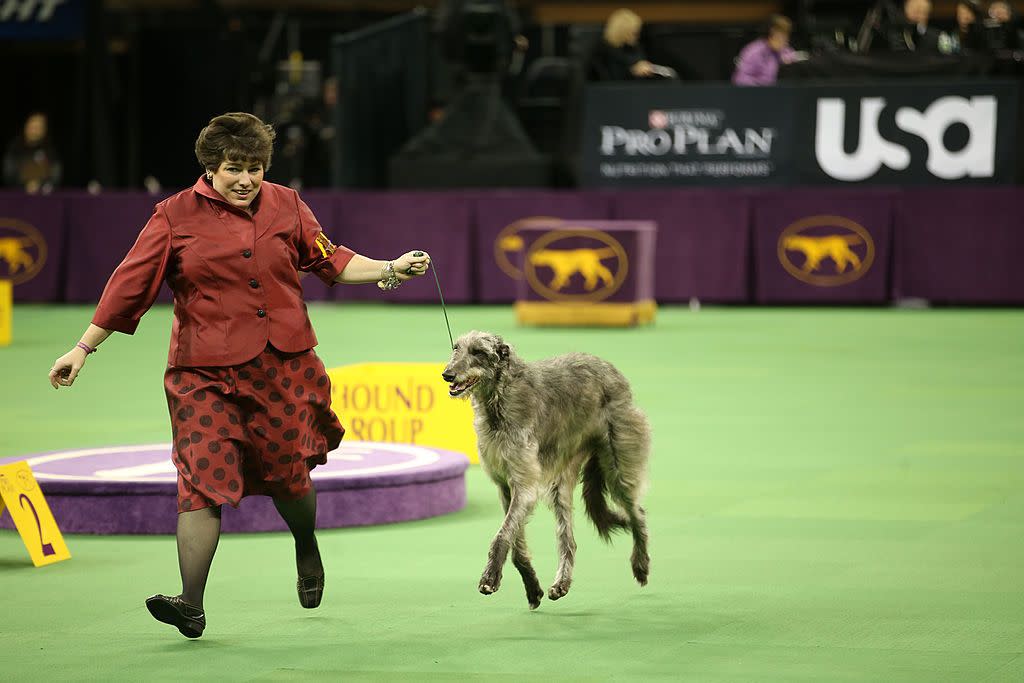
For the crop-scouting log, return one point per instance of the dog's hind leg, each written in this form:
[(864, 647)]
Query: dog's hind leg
[(640, 560), (520, 506), (630, 438), (605, 519), (561, 503), (521, 557)]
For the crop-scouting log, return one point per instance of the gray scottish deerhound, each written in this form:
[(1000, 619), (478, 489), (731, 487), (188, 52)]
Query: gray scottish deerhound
[(542, 427)]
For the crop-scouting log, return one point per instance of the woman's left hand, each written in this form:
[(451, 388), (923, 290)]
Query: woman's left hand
[(412, 264), (642, 69)]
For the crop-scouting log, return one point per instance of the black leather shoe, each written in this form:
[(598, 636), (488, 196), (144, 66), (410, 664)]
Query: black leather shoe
[(189, 619), (311, 590)]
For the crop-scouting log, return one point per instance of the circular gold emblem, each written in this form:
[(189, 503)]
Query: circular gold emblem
[(22, 251), (593, 264), (509, 241), (826, 251)]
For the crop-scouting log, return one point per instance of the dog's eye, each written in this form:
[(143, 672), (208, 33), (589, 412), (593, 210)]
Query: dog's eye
[(479, 353)]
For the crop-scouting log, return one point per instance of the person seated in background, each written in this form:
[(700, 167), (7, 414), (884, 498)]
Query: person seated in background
[(31, 160), (969, 35), (758, 62), (912, 33), (1001, 26), (1001, 11), (320, 125), (618, 55)]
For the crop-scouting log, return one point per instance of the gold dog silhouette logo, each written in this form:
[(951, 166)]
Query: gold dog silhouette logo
[(22, 251), (510, 242), (826, 251), (574, 259)]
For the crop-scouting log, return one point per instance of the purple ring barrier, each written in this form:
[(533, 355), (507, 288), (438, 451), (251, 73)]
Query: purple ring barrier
[(133, 490), (823, 245)]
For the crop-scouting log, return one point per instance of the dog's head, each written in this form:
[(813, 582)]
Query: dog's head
[(476, 357)]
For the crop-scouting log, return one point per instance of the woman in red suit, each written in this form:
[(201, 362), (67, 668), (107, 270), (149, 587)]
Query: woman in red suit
[(249, 400)]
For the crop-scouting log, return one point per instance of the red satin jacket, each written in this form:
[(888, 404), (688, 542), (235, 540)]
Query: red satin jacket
[(234, 277)]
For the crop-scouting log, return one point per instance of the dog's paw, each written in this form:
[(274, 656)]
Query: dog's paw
[(490, 583), (558, 589), (534, 596), (641, 569)]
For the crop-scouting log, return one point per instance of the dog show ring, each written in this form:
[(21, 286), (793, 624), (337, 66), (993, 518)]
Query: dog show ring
[(133, 489)]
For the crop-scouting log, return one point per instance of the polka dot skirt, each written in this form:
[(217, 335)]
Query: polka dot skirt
[(252, 429)]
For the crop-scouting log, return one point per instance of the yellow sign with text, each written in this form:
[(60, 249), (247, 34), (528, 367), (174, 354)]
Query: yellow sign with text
[(6, 311), (32, 517), (402, 403)]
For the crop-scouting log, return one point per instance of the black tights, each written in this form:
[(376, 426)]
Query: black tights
[(300, 516), (199, 532)]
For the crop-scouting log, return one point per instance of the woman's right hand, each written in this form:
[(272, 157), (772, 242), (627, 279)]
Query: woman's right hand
[(66, 368)]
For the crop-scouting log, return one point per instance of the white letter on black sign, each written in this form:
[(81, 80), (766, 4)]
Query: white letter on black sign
[(872, 150), (977, 159), (48, 8), (612, 137)]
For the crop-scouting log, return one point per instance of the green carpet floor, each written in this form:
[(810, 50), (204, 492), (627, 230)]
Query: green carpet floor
[(836, 495)]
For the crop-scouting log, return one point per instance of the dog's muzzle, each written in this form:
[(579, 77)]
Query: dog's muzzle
[(458, 388)]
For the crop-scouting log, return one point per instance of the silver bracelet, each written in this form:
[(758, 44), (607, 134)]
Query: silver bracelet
[(388, 280)]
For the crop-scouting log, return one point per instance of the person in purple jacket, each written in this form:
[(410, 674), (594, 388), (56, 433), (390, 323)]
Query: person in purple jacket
[(758, 63)]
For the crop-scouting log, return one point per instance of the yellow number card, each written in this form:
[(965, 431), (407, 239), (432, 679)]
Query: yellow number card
[(20, 493)]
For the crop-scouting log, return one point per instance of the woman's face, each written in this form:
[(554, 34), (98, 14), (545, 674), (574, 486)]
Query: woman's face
[(35, 128), (964, 15), (778, 40), (238, 181), (917, 11)]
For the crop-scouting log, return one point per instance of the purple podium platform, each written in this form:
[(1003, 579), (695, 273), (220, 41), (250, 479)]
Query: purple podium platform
[(133, 490)]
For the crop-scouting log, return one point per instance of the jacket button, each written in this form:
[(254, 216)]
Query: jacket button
[(247, 253), (253, 283), (261, 313)]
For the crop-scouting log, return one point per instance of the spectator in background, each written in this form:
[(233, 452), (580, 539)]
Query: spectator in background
[(913, 34), (31, 160), (759, 61), (320, 124), (618, 55), (969, 36), (1001, 11), (1002, 26)]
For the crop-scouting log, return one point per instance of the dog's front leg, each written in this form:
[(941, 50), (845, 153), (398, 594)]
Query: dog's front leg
[(520, 505), (521, 556), (561, 503)]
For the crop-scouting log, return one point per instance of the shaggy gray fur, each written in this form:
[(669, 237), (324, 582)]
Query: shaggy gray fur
[(541, 427)]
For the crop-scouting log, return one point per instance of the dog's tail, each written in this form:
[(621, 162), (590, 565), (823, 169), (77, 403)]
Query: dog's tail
[(604, 518)]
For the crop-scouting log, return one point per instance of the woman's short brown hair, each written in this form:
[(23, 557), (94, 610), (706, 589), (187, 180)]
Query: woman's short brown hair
[(780, 24), (237, 136)]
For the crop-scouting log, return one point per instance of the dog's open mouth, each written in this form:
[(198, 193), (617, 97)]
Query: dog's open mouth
[(457, 388)]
